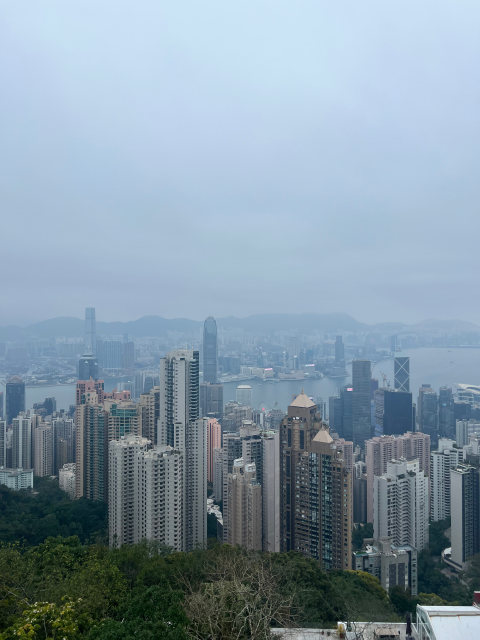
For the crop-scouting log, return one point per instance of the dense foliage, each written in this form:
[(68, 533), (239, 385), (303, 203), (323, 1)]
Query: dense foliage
[(359, 534), (32, 517), (65, 589)]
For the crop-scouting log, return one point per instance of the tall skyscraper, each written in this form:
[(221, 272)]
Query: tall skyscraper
[(465, 511), (446, 413), (90, 332), (88, 367), (15, 398), (150, 404), (397, 412), (43, 450), (271, 491), (339, 350), (361, 406), (180, 427), (401, 501), (401, 372), (63, 443), (245, 506), (428, 412), (211, 400), (379, 451), (447, 457), (214, 441), (316, 489), (22, 444), (3, 443), (210, 351)]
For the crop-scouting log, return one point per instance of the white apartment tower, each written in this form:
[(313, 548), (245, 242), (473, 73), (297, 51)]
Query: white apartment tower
[(400, 504), (441, 461), (22, 443), (379, 451), (43, 450), (180, 427)]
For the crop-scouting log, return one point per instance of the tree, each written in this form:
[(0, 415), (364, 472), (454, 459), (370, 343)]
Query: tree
[(359, 534)]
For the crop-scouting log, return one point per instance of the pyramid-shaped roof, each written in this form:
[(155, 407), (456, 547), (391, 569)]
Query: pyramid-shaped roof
[(323, 436), (302, 401)]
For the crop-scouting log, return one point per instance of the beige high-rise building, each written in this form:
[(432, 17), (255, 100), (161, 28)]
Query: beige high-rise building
[(245, 506), (379, 451), (43, 450), (316, 488), (214, 441), (150, 407)]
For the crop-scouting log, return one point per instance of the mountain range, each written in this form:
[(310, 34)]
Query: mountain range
[(156, 326)]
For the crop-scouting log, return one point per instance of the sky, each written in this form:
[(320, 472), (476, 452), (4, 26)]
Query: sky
[(191, 158)]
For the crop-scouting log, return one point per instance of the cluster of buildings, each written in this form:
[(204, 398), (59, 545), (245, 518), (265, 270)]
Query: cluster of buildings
[(293, 482)]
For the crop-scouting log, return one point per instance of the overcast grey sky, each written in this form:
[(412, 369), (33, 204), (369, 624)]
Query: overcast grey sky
[(237, 157)]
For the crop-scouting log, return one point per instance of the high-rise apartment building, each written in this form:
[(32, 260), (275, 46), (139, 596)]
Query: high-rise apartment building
[(110, 354), (400, 504), (243, 395), (218, 474), (14, 398), (180, 427), (465, 511), (361, 405), (360, 492), (3, 443), (22, 443), (244, 514), (464, 430), (446, 413), (397, 412), (271, 491), (210, 351), (211, 400), (214, 441), (446, 457), (150, 404), (90, 333), (63, 443), (401, 372), (379, 451), (43, 450)]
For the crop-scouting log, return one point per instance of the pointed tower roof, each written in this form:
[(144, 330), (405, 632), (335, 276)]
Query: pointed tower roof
[(302, 401), (323, 436)]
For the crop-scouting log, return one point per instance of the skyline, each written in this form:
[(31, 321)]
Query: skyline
[(226, 158)]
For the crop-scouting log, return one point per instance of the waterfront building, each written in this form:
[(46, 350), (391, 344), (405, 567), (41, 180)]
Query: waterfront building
[(210, 351), (339, 350), (446, 457), (244, 515), (392, 565), (244, 395), (379, 451), (464, 430), (401, 371), (428, 412), (90, 345), (14, 398), (446, 413), (88, 367), (361, 411), (400, 504)]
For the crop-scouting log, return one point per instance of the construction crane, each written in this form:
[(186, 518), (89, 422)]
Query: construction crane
[(385, 380)]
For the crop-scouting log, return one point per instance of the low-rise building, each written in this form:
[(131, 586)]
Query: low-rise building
[(66, 479), (392, 565), (16, 479)]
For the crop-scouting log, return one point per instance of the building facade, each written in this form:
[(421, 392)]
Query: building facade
[(14, 398), (446, 457), (244, 514), (210, 351)]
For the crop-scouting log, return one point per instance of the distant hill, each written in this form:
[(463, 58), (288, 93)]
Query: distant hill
[(156, 326)]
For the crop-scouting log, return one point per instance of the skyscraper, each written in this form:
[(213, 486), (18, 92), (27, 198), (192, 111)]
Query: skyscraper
[(214, 441), (243, 395), (446, 413), (465, 511), (398, 412), (441, 461), (401, 372), (88, 367), (180, 427), (361, 405), (43, 450), (210, 351), (22, 444), (211, 400), (90, 332), (15, 398), (401, 504), (428, 412), (339, 350), (245, 506)]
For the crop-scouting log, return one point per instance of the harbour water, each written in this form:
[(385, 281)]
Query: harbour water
[(436, 366)]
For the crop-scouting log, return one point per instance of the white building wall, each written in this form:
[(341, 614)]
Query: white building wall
[(22, 443), (446, 458), (43, 451), (66, 479)]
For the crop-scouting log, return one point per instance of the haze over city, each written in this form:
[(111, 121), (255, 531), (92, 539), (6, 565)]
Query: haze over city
[(183, 159)]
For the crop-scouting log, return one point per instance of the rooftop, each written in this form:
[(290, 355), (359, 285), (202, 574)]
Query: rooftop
[(303, 401)]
